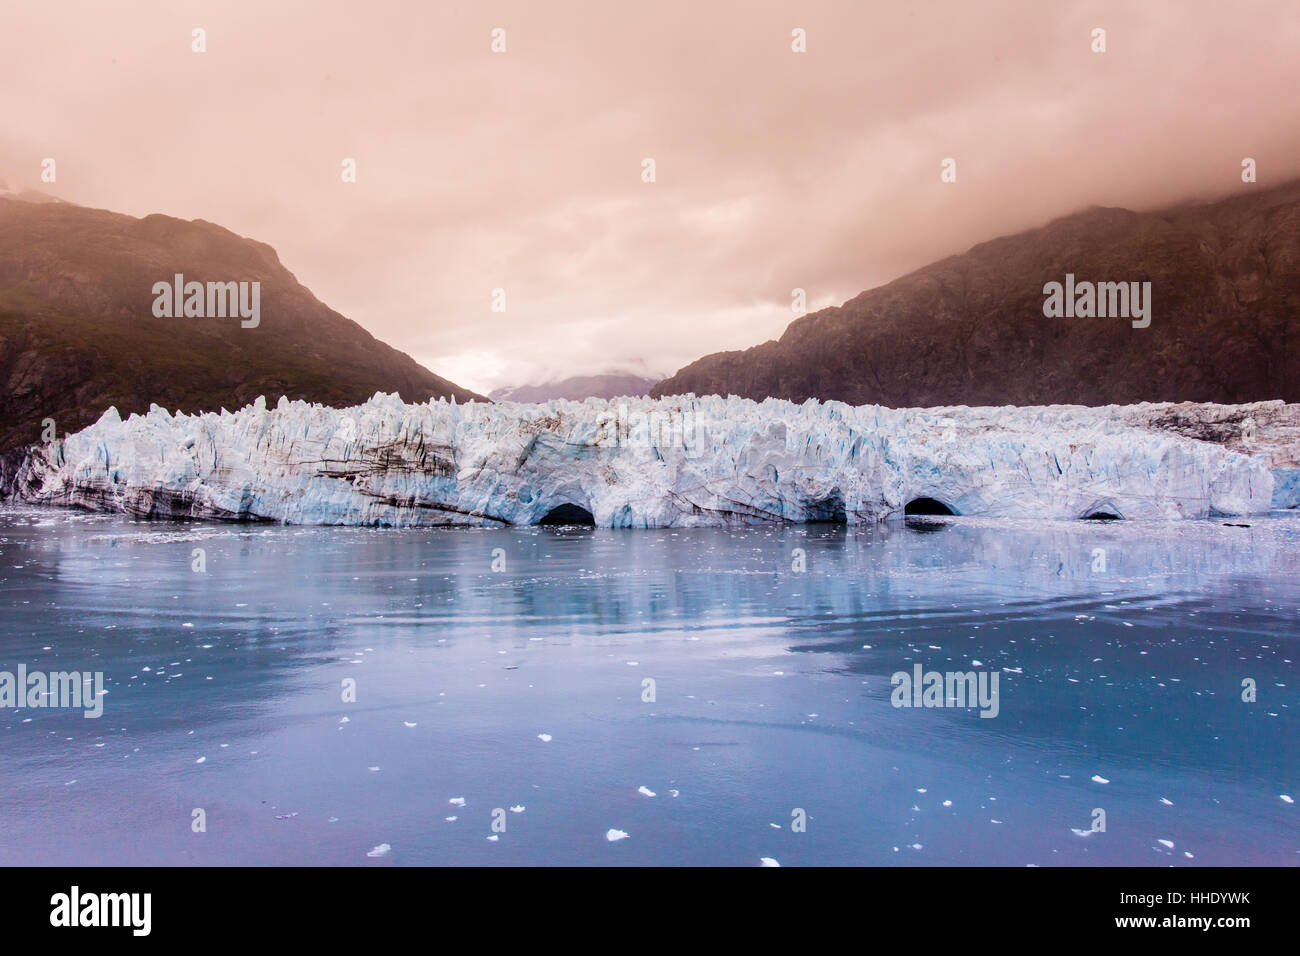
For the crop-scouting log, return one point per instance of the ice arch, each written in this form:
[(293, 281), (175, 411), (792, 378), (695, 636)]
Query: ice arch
[(568, 513), (928, 506), (1102, 511)]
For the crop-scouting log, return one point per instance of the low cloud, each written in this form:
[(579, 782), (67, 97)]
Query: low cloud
[(522, 170)]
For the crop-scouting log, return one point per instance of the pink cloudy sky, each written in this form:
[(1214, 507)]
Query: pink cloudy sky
[(522, 170)]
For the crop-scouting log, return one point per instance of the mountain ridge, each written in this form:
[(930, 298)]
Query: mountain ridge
[(611, 384), (78, 331), (969, 329)]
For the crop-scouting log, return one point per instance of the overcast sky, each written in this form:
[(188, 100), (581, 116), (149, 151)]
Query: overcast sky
[(522, 170)]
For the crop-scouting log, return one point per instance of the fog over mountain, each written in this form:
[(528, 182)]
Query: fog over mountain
[(610, 384), (1224, 319)]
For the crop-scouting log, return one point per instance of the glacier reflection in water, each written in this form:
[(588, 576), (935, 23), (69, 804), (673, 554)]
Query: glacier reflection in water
[(1121, 648)]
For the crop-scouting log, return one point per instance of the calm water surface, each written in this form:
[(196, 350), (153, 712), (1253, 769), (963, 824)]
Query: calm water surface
[(771, 694)]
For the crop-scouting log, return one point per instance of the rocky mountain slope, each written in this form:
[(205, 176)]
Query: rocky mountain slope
[(970, 329), (78, 333)]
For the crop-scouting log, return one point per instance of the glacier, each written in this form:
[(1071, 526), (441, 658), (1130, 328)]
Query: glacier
[(671, 462)]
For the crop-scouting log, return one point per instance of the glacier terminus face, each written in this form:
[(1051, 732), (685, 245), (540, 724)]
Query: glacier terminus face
[(673, 462)]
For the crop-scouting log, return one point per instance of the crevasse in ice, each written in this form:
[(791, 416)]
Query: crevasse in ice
[(638, 462)]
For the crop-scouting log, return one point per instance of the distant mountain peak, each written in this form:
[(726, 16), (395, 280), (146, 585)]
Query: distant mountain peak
[(610, 384)]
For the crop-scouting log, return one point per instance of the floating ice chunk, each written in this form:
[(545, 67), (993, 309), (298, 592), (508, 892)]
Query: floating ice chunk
[(1286, 798), (1098, 778), (544, 738), (1167, 802), (1082, 833), (517, 809), (382, 850), (494, 837), (409, 723), (1167, 844), (613, 836), (767, 861), (457, 801), (645, 791), (202, 760)]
